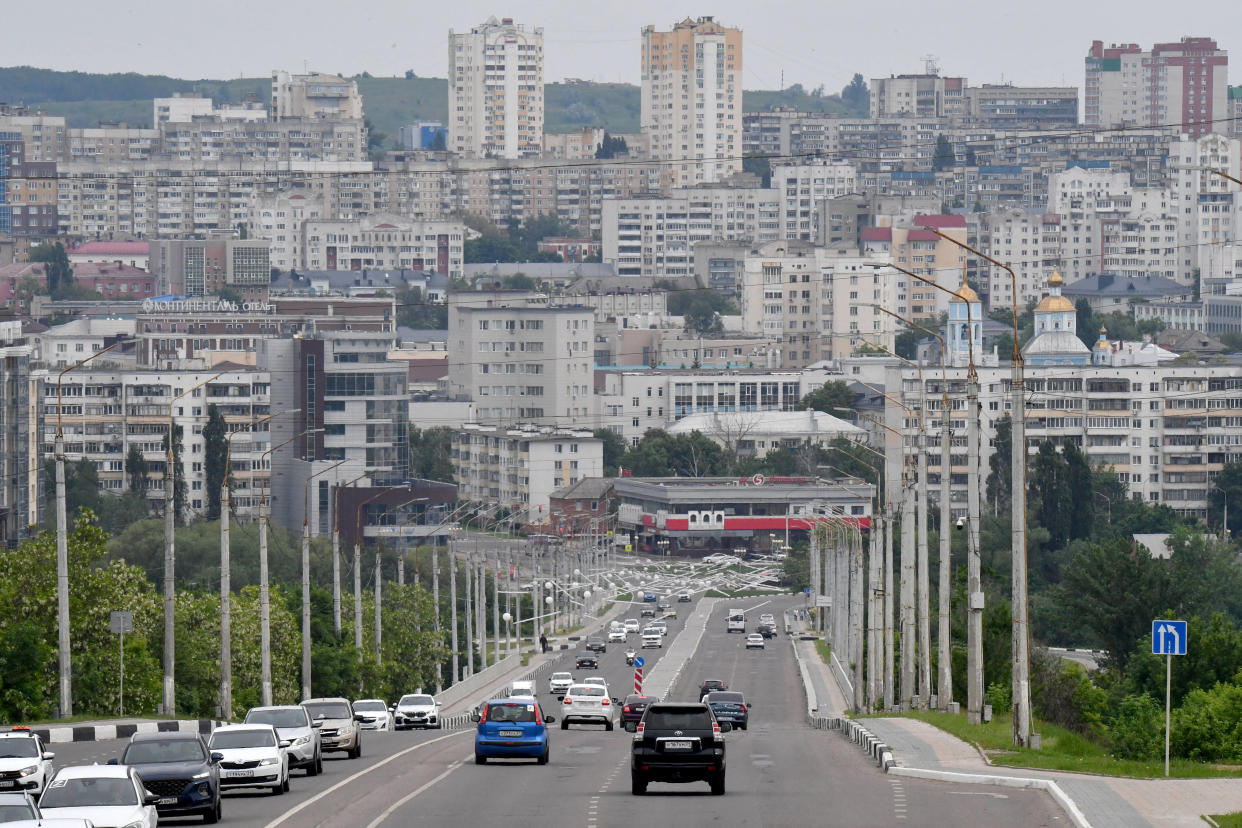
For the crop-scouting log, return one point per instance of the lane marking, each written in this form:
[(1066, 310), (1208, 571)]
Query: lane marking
[(394, 806), (304, 805)]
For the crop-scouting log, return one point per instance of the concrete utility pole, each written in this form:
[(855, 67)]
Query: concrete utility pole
[(226, 610), (453, 607), (889, 586), (924, 578), (379, 602), (336, 553), (306, 592), (856, 614), (435, 600), (469, 614), (496, 612), (358, 567), (875, 604), (907, 596)]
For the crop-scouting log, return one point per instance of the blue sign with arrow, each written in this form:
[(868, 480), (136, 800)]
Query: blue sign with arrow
[(638, 661), (1168, 637)]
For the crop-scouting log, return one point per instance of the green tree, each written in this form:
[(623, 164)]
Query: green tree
[(1227, 489), (439, 141), (431, 452), (1051, 500), (415, 312), (517, 281), (943, 158), (1000, 466), (659, 454), (614, 449), (759, 165), (857, 96), (136, 471), (375, 138), (56, 261), (834, 397), (215, 449), (612, 147), (178, 472)]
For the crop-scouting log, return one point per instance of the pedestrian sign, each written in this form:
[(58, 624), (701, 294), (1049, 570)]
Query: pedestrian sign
[(1168, 637), (638, 662)]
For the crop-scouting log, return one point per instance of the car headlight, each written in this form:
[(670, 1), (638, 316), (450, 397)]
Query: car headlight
[(302, 740), (201, 775), (268, 761), (28, 771)]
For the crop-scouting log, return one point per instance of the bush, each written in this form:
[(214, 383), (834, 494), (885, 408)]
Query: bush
[(1136, 730), (1000, 697), (1208, 725), (1062, 694)]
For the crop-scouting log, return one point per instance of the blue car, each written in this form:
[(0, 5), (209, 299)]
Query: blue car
[(512, 728)]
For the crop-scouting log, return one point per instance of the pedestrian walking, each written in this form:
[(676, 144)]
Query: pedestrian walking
[(543, 642)]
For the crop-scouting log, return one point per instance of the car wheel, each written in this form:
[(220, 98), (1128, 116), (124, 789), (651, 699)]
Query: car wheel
[(608, 725), (718, 784), (284, 786), (480, 759), (564, 724), (638, 785), (214, 815), (543, 759), (357, 751)]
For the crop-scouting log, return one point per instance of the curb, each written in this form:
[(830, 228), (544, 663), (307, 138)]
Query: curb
[(1050, 786), (99, 733)]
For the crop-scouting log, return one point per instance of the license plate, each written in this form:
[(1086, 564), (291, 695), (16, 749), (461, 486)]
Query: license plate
[(7, 783), (675, 744), (233, 774), (510, 733), (167, 800)]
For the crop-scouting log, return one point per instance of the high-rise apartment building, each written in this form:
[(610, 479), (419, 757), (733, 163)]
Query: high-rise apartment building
[(19, 426), (315, 96), (918, 96), (1183, 84), (495, 90), (692, 99)]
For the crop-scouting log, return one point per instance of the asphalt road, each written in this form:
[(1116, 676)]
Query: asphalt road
[(780, 772)]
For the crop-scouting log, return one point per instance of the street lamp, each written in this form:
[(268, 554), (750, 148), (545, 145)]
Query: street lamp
[(62, 545)]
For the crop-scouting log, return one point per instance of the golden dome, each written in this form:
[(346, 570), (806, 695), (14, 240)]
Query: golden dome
[(1055, 280), (1054, 304), (1102, 343), (965, 293)]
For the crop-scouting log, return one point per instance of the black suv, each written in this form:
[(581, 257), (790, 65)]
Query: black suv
[(596, 644), (178, 768), (587, 660), (678, 742)]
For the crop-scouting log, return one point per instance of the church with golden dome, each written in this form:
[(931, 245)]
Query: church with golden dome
[(1056, 339)]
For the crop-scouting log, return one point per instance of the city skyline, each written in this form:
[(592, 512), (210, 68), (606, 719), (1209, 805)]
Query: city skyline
[(822, 46)]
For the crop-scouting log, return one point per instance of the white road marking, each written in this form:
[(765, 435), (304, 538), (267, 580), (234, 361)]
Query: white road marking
[(980, 793), (394, 806)]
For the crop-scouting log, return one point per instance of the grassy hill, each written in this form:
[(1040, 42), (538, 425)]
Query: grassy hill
[(85, 99)]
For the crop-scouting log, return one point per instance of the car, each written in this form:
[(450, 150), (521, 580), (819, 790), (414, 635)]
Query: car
[(416, 710), (647, 612), (735, 621), (587, 659), (616, 635), (17, 806), (663, 605), (251, 756), (652, 639), (632, 625), (671, 612), (728, 706), (511, 728), (678, 742), (598, 681), (711, 686), (650, 597), (559, 683), (25, 764), (522, 689), (661, 625), (684, 598), (632, 709), (107, 795), (767, 618), (339, 730), (586, 703), (765, 631), (595, 643), (295, 726), (375, 714), (754, 641), (180, 770)]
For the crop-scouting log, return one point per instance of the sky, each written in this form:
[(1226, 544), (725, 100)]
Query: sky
[(810, 43)]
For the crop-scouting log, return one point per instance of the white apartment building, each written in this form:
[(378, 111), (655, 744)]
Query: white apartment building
[(692, 99), (1183, 84), (519, 359), (818, 303), (21, 460), (1028, 241), (1205, 203), (315, 96), (304, 240), (63, 345), (495, 90), (655, 236), (919, 96), (803, 186), (521, 465)]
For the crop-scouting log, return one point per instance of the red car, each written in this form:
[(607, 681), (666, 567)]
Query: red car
[(633, 708)]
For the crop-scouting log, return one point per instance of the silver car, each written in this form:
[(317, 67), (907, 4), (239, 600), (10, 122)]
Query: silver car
[(294, 725), (253, 756)]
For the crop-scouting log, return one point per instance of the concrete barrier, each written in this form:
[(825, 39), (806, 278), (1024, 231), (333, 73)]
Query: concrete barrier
[(54, 734)]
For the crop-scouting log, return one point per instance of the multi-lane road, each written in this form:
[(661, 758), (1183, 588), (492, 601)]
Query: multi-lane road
[(780, 772)]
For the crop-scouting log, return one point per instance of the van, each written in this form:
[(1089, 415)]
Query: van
[(522, 688), (736, 621)]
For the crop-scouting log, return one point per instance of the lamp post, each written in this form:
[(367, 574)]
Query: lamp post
[(358, 569), (306, 611), (336, 552), (170, 556), (65, 708), (1021, 612)]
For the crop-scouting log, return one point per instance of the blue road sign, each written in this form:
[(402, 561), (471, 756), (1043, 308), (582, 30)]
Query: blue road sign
[(638, 661), (1168, 637), (806, 590)]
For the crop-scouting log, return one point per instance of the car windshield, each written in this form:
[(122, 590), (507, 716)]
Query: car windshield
[(88, 793), (163, 750), (638, 700), (328, 710), (14, 812), (18, 748), (511, 713), (229, 739), (287, 717), (370, 706), (677, 719), (562, 676), (410, 701), (589, 690)]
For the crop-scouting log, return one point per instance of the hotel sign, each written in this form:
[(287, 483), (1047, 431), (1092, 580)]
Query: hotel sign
[(205, 306)]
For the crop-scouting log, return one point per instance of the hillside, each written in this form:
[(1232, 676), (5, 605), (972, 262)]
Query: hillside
[(85, 99)]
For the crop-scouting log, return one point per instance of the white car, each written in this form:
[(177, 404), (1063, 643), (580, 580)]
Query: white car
[(559, 683), (616, 635), (522, 689), (293, 724), (24, 763), (632, 625), (598, 681), (417, 710), (586, 703), (254, 756), (375, 714), (754, 641), (652, 638), (110, 796)]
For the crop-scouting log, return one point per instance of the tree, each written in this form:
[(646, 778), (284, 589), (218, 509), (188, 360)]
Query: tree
[(612, 147), (614, 450), (857, 96), (375, 138), (136, 471), (659, 454), (430, 453), (1000, 466), (215, 450), (834, 397), (178, 472), (439, 142), (759, 165), (228, 294), (943, 158), (56, 261), (1228, 489), (415, 312), (27, 289)]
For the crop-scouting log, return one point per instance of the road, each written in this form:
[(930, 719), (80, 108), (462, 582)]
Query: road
[(780, 772)]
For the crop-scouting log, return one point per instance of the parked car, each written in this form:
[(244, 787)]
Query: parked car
[(729, 706), (104, 794), (374, 714), (559, 683), (711, 686), (417, 710), (586, 703), (678, 742), (632, 625), (339, 730), (755, 641), (587, 660), (251, 756), (632, 709), (25, 764), (15, 806), (294, 725), (180, 770), (511, 728)]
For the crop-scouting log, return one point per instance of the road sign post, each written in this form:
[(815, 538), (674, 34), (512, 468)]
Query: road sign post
[(121, 622), (638, 680), (1168, 638)]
